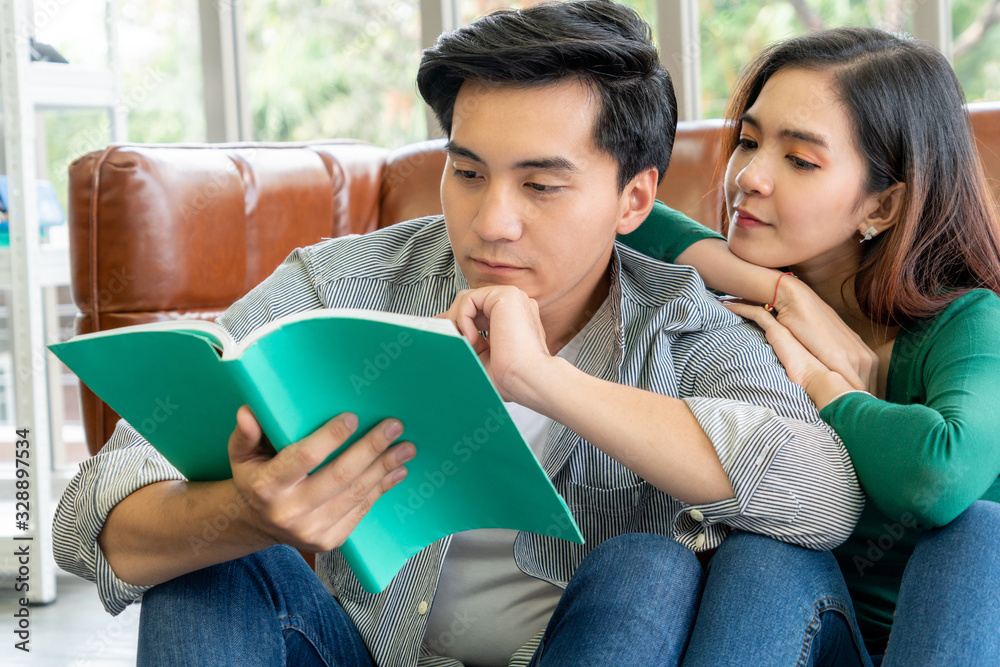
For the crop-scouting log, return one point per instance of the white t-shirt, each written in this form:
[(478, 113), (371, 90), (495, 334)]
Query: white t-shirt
[(485, 608)]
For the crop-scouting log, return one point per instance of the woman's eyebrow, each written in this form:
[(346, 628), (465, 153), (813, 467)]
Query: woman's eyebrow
[(788, 133)]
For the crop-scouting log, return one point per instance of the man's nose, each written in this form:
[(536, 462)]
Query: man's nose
[(499, 215)]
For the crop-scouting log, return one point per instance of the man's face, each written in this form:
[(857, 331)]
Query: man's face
[(528, 199)]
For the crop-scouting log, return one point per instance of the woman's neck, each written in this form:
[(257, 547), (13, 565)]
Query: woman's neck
[(832, 278)]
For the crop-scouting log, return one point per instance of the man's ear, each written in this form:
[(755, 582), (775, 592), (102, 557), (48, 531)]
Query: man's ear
[(885, 209), (637, 200)]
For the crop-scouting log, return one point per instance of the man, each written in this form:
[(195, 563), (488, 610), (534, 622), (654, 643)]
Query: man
[(560, 122)]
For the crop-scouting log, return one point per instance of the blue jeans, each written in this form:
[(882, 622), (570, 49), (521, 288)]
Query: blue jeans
[(265, 609), (769, 603), (948, 612), (631, 601)]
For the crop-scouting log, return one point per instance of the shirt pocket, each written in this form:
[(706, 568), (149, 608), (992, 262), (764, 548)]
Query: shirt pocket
[(604, 501), (603, 513)]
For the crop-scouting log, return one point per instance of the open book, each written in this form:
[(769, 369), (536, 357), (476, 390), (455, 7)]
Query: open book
[(180, 383)]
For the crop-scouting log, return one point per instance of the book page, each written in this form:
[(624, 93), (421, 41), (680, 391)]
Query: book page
[(216, 335), (432, 324)]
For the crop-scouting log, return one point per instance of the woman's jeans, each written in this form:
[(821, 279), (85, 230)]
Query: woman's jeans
[(632, 601), (635, 600), (775, 604)]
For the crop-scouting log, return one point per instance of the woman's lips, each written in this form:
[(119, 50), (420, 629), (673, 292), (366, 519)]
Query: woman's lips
[(747, 221)]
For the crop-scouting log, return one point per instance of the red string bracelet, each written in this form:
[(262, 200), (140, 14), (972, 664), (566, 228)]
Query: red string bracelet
[(770, 306)]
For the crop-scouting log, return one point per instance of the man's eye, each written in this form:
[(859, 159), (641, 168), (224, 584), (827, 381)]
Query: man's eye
[(466, 174), (538, 187)]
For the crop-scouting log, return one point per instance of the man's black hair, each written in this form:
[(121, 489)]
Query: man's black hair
[(605, 45)]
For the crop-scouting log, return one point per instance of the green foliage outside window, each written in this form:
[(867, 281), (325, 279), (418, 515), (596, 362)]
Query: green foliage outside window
[(732, 31), (321, 69)]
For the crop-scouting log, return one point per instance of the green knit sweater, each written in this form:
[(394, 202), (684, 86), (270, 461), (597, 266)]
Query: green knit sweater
[(924, 454)]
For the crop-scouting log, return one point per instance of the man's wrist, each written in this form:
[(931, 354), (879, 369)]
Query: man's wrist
[(246, 520), (540, 390)]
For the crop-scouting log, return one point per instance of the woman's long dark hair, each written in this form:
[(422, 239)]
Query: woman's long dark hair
[(911, 126)]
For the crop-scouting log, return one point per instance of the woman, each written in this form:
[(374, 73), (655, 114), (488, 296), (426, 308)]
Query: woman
[(838, 137)]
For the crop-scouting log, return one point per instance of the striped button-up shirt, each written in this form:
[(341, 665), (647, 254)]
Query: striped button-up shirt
[(661, 331)]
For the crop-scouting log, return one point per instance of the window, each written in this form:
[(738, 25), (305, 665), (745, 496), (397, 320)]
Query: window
[(470, 10), (322, 70), (161, 95), (161, 70), (76, 28), (733, 31), (976, 47)]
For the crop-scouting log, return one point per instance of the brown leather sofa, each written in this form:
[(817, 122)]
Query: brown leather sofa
[(175, 231)]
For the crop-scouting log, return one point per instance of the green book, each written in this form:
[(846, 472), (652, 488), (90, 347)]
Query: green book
[(180, 383)]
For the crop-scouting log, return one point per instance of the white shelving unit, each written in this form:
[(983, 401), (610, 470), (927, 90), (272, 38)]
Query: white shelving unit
[(32, 270), (59, 86)]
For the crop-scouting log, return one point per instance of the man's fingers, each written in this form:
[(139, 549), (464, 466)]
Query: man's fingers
[(353, 514), (777, 334), (469, 319), (757, 314), (347, 470), (244, 441), (383, 474), (294, 462)]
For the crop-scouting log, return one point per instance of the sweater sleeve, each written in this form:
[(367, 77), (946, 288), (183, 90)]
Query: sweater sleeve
[(666, 233), (937, 455)]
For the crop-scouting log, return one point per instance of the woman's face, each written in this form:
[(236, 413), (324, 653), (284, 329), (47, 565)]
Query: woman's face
[(795, 180)]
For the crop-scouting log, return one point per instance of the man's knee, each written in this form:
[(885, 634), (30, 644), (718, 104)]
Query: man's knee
[(755, 548), (646, 585), (277, 561), (764, 563), (641, 556)]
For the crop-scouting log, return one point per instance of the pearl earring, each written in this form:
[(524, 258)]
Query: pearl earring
[(870, 233)]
